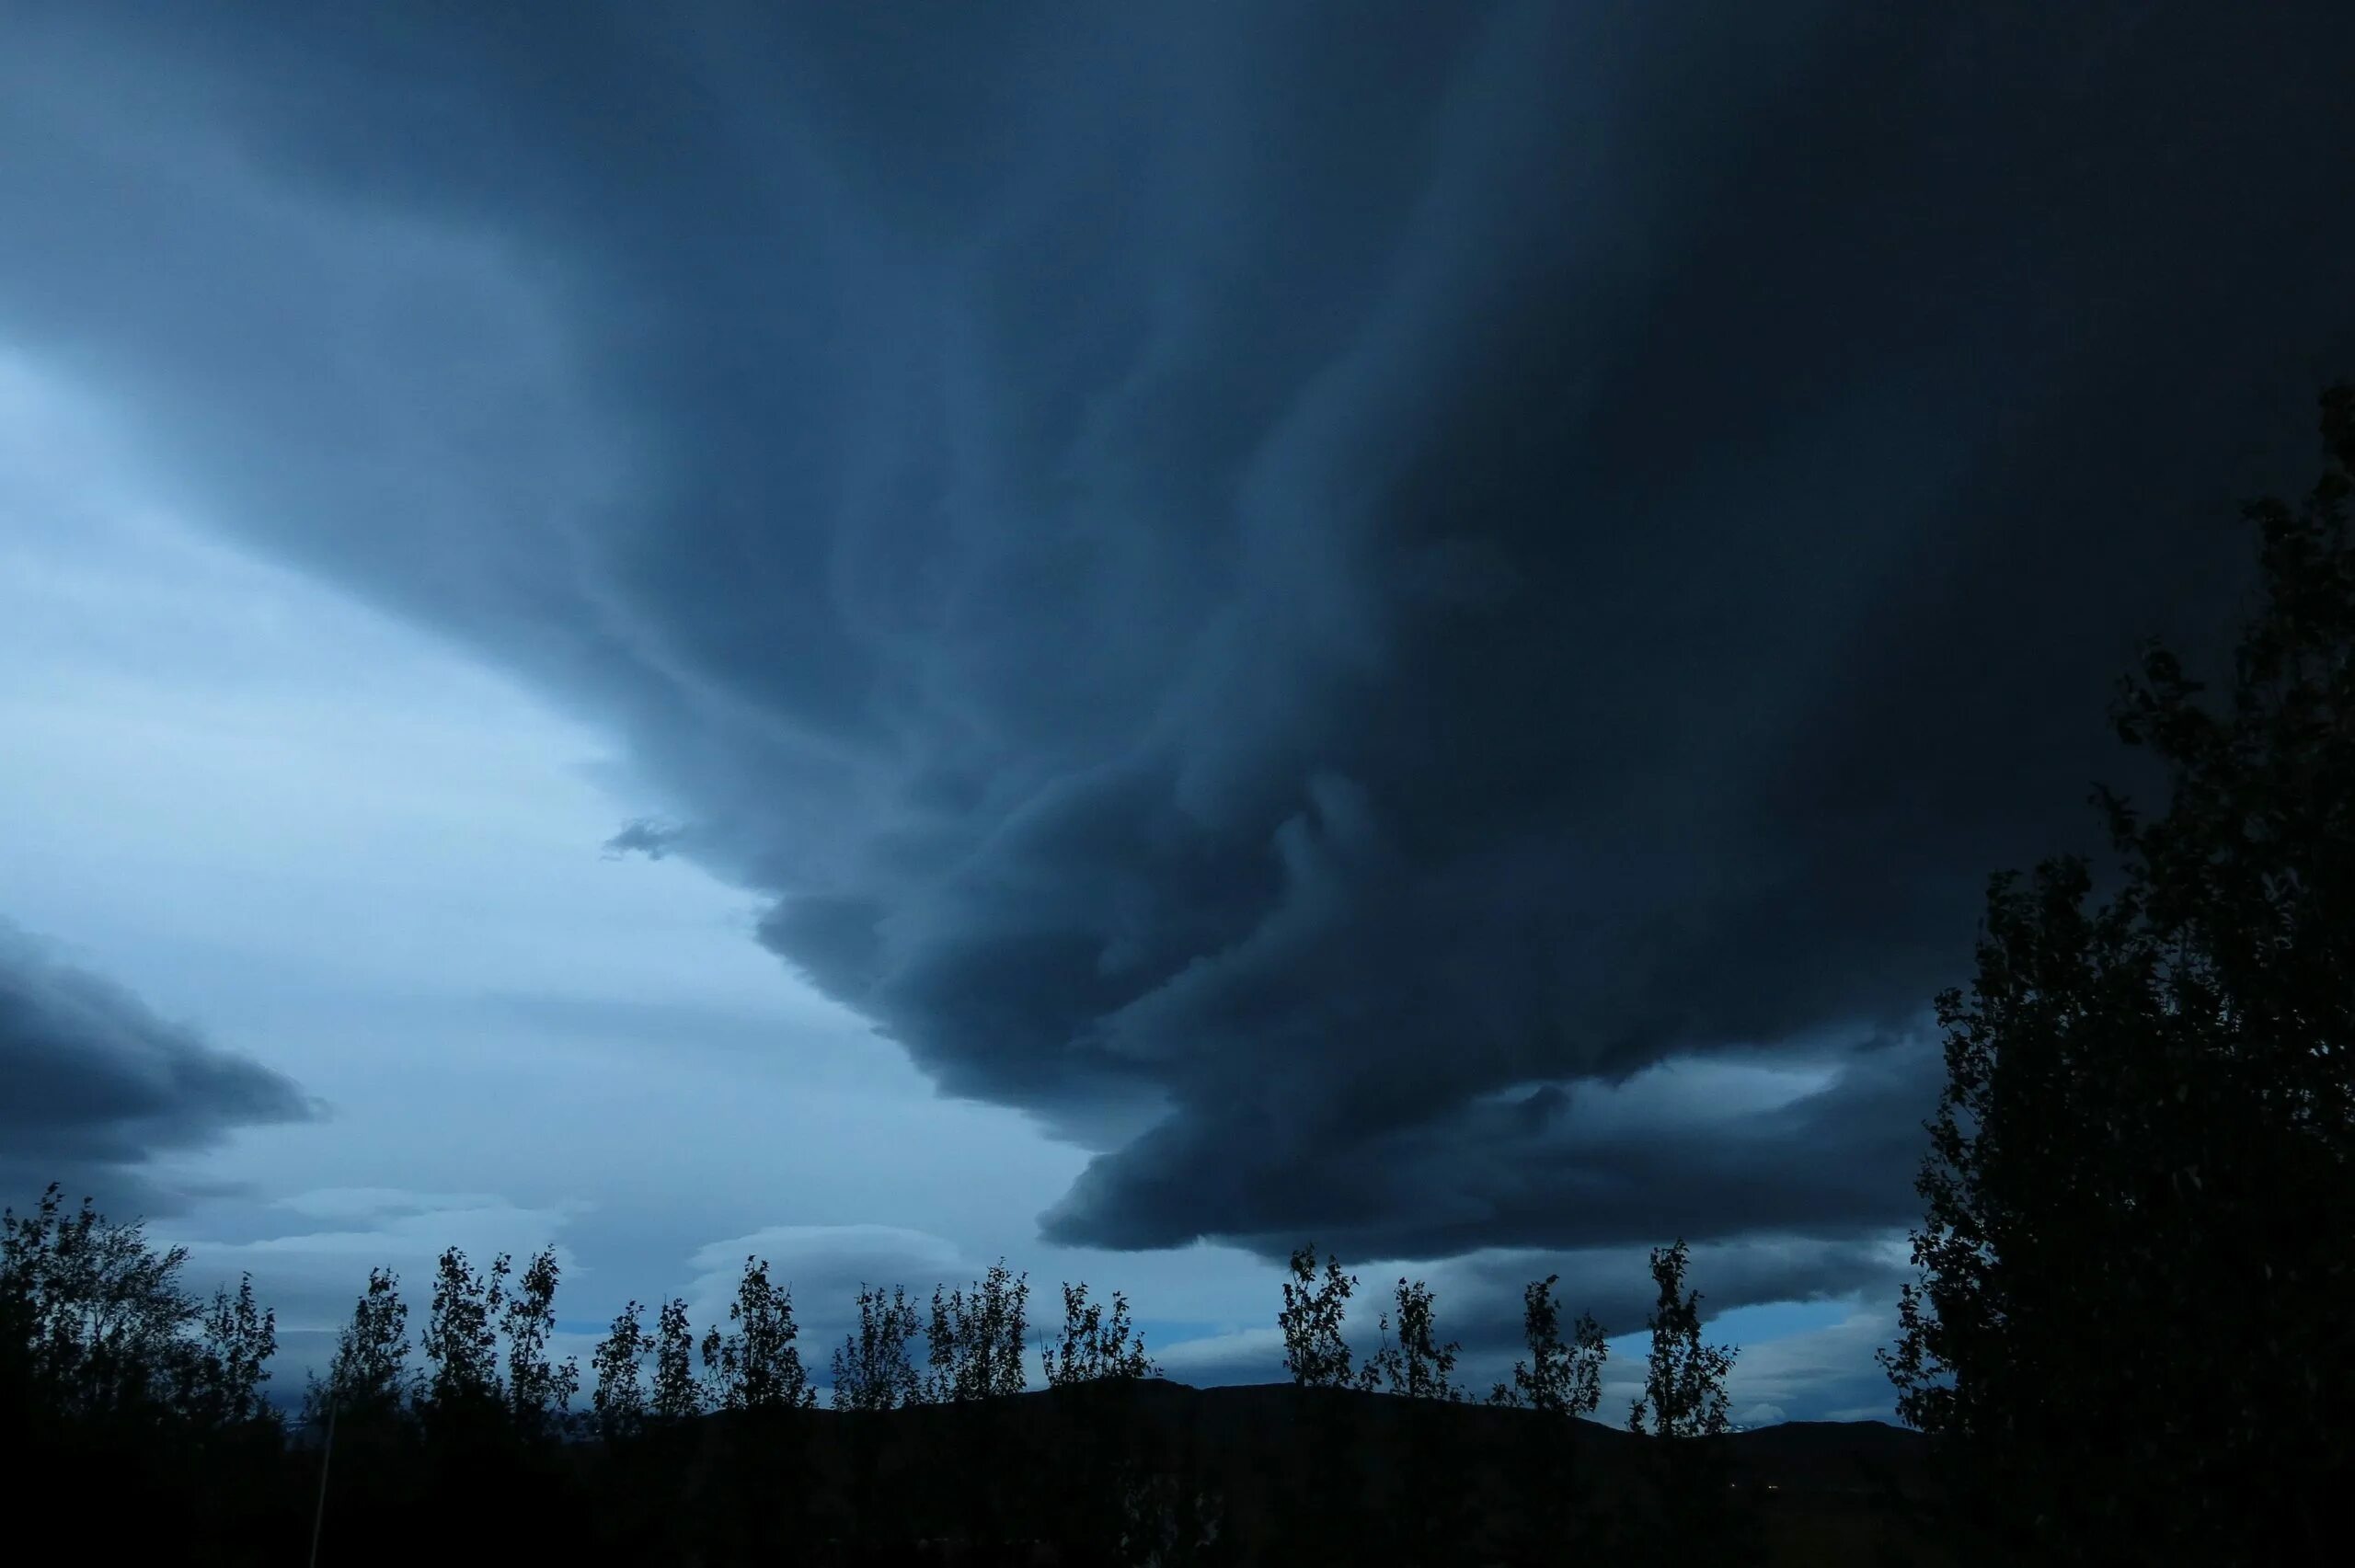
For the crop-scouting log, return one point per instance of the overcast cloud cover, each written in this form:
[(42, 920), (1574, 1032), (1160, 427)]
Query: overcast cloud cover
[(1409, 623)]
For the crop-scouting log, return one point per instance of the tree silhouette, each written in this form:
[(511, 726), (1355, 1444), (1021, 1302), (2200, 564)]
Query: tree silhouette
[(975, 1346), (677, 1395), (1121, 1497), (1431, 1514), (756, 1364), (1685, 1381), (872, 1369), (1560, 1382), (99, 1323), (130, 1386), (1093, 1345), (1316, 1352), (116, 1381), (1556, 1379), (238, 1337), (1684, 1408), (2127, 1329), (367, 1381), (539, 1391), (660, 1523), (872, 1375), (463, 1392), (976, 1341), (1325, 1516), (757, 1382), (1414, 1365), (617, 1399)]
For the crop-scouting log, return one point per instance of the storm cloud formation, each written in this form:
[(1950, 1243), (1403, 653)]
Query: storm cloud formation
[(98, 1086), (1307, 593)]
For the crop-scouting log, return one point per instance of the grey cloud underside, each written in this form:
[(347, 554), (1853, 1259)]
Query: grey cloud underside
[(1482, 1295), (98, 1086), (1259, 586), (1479, 1306), (1533, 1171)]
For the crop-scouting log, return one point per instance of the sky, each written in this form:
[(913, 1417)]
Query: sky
[(1117, 637)]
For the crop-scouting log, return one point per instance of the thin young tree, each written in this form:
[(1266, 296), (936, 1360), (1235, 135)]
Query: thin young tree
[(1114, 1494), (975, 1344), (677, 1395), (1316, 1353), (463, 1396), (1560, 1382), (1093, 1346), (873, 1374), (1685, 1409), (1684, 1380), (617, 1399), (367, 1383), (1325, 1516), (1413, 1364), (1558, 1377), (871, 1369), (1431, 1518), (756, 1364), (539, 1389), (238, 1338)]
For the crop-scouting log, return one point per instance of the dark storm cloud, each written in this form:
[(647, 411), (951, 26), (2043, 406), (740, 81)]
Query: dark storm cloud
[(1555, 1168), (652, 839), (98, 1084), (1479, 1305), (1482, 1295), (1269, 583)]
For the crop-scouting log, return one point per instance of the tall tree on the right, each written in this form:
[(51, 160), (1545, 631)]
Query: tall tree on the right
[(2129, 1329)]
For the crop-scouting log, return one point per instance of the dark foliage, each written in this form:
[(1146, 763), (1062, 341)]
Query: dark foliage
[(116, 1382), (756, 1364), (2129, 1334), (1683, 1406), (1560, 1383), (480, 1452)]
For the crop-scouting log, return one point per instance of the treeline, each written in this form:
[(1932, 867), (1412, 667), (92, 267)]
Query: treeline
[(715, 1450), (126, 1401)]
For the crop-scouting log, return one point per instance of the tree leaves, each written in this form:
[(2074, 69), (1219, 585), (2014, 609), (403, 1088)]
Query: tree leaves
[(1315, 1352), (756, 1364), (2137, 1238), (1685, 1381), (1093, 1346)]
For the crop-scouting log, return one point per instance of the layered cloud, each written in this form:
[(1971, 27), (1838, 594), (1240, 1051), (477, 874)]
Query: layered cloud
[(1306, 599), (100, 1086)]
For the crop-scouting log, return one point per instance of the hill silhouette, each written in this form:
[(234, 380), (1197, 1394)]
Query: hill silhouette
[(1827, 1493)]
